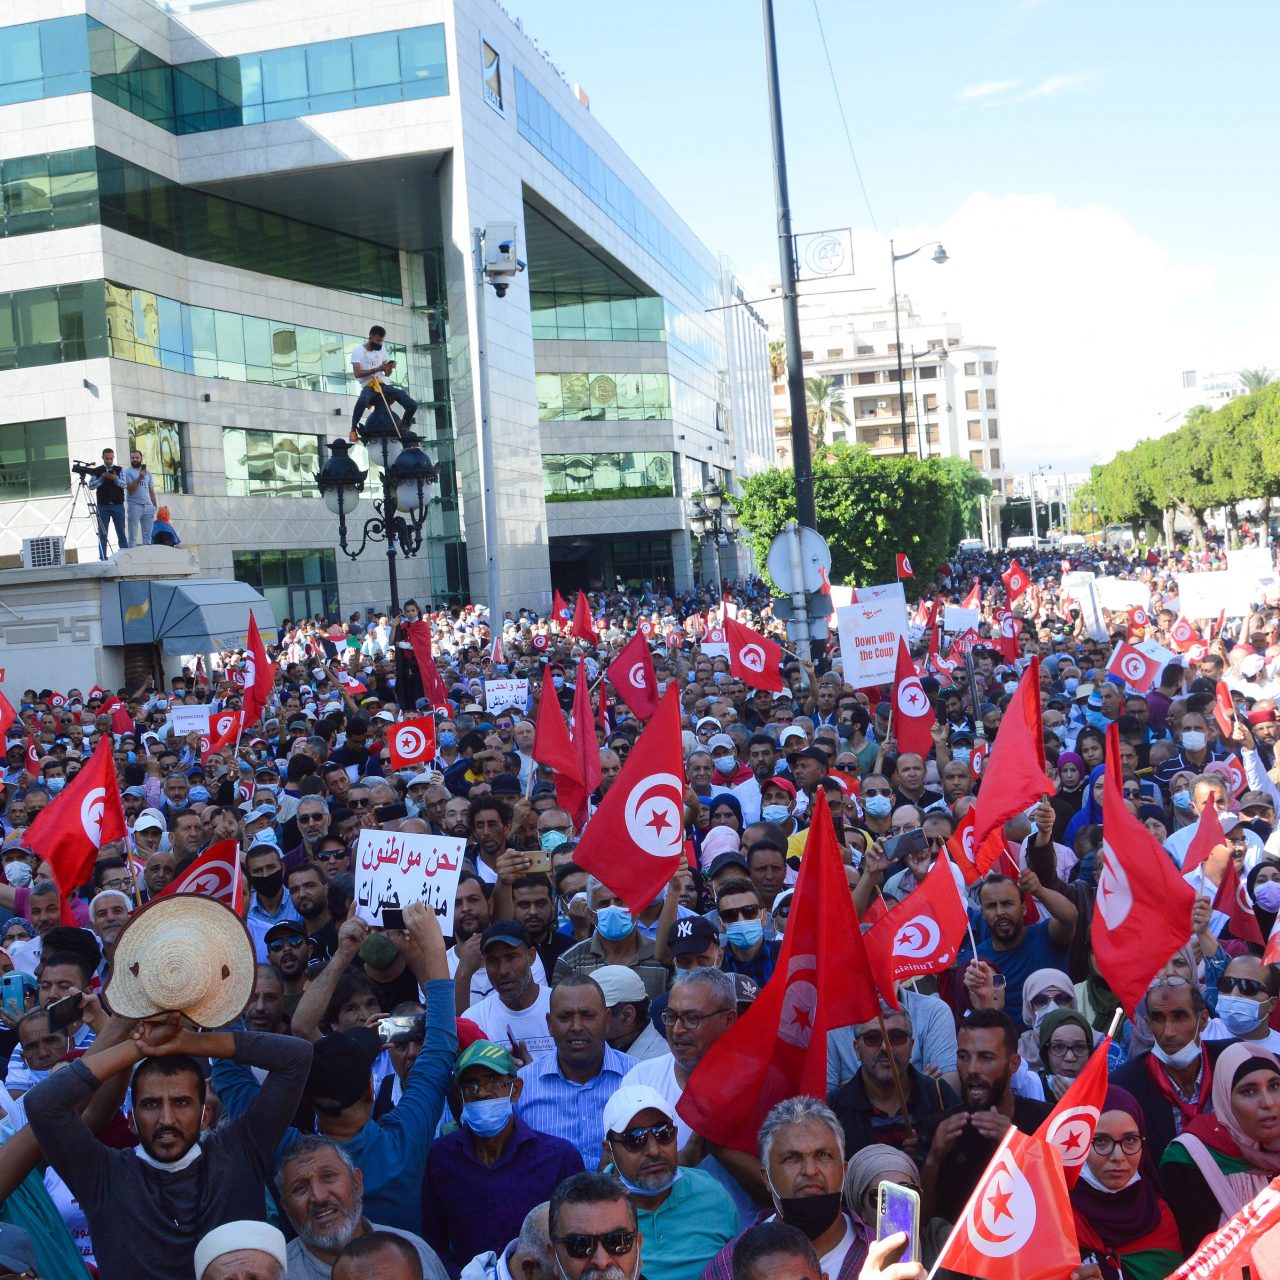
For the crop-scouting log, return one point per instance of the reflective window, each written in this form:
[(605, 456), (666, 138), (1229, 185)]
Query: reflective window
[(575, 314), (602, 477), (160, 443), (277, 463), (298, 584), (602, 397), (33, 460)]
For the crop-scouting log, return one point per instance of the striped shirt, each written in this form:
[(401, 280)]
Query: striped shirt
[(575, 1112), (588, 956)]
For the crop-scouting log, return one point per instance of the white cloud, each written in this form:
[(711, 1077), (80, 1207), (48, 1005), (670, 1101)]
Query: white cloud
[(987, 89), (1063, 82)]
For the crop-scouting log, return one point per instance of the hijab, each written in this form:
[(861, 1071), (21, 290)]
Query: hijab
[(1070, 757), (1059, 1018), (1090, 809), (1121, 1217), (1266, 919), (727, 800), (869, 1165), (1235, 1061), (1038, 983)]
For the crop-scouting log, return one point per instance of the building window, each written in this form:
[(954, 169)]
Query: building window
[(834, 353), (806, 355), (975, 428), (971, 369), (603, 477), (33, 460), (936, 344), (997, 486), (975, 456), (988, 367), (971, 401), (867, 379), (866, 351), (1189, 379), (928, 371), (993, 429), (578, 315), (603, 397), (893, 348), (991, 398), (297, 584), (160, 443), (995, 459), (930, 402), (271, 463)]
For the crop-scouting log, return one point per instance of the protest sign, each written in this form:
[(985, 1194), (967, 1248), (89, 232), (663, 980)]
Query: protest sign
[(869, 632), (506, 693), (394, 869), (714, 645), (841, 595), (957, 619), (1206, 595), (1081, 587), (187, 720), (1118, 594)]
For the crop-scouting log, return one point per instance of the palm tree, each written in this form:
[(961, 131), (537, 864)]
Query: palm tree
[(1256, 379), (777, 359), (826, 404)]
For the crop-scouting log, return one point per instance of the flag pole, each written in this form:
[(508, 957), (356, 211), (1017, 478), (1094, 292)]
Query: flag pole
[(897, 1078), (960, 1220)]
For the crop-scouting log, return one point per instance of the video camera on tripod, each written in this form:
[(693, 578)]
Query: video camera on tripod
[(88, 470)]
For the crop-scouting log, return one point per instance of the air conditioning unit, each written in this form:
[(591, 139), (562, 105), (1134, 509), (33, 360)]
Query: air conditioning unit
[(882, 404), (43, 553)]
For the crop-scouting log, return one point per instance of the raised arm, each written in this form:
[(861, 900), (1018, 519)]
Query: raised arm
[(315, 999)]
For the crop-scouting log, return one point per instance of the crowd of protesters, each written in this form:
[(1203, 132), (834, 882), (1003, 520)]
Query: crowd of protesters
[(502, 1103)]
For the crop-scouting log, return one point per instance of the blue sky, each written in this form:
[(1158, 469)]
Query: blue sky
[(1101, 173)]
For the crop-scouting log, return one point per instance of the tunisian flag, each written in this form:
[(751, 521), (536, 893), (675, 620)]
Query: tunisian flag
[(1232, 900), (412, 741), (1143, 910), (224, 729), (1015, 581), (1018, 1223), (1070, 1126), (778, 1048), (1006, 635), (974, 599), (69, 831), (1013, 776), (1243, 1246), (214, 874), (913, 717), (922, 933), (586, 750), (903, 564), (551, 746), (962, 849), (1182, 635), (1133, 666), (631, 673), (1208, 836), (635, 838), (259, 676), (754, 659), (419, 636), (1224, 710), (583, 626), (560, 612), (7, 715)]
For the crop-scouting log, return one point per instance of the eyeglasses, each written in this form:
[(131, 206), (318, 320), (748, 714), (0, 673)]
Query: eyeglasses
[(1245, 986), (875, 1039), (1130, 1144), (1131, 793), (279, 944), (329, 855), (120, 886), (877, 791), (310, 817), (732, 914), (634, 1140), (693, 1021), (582, 1246), (1064, 1049), (474, 1089), (359, 804), (1047, 997)]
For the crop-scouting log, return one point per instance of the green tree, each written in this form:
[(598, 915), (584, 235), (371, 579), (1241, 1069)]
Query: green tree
[(971, 488), (1256, 379), (778, 359), (826, 404)]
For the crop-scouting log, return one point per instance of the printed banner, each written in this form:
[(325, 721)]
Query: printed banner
[(393, 870)]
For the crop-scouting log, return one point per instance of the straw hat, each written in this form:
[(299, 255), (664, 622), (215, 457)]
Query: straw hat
[(184, 952)]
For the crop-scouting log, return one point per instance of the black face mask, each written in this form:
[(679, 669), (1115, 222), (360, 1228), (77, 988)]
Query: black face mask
[(267, 886), (811, 1214), (375, 346)]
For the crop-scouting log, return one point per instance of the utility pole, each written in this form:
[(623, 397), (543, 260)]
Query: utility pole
[(1031, 483)]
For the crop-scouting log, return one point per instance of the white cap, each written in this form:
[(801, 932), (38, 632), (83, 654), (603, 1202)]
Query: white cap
[(1251, 664), (627, 1102), (148, 821), (706, 720), (620, 984), (720, 740), (792, 731), (231, 1237), (264, 811), (385, 715), (421, 780)]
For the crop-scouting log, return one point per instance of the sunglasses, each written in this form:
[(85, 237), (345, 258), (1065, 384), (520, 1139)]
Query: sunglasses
[(635, 1140), (876, 791), (1246, 986), (579, 1245), (875, 1039), (732, 914), (1045, 998), (279, 944), (329, 855)]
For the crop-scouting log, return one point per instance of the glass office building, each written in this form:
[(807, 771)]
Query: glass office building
[(205, 205)]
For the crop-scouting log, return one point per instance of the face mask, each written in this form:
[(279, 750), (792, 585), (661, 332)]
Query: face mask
[(810, 1214), (744, 934), (558, 681), (18, 874), (378, 952), (273, 787), (267, 886), (879, 806), (550, 841), (1041, 1014), (1194, 740), (775, 813), (662, 687), (653, 1189), (1184, 1057), (1239, 1016), (963, 754), (448, 740), (1182, 800), (718, 677), (725, 765), (614, 923), (55, 784), (200, 795), (487, 1116), (1266, 893)]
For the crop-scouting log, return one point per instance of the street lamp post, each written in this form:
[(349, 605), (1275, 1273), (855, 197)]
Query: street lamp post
[(939, 354), (712, 519), (939, 256), (405, 473)]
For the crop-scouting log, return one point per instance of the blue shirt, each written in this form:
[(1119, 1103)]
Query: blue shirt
[(258, 920), (688, 1228), (575, 1112), (1035, 951)]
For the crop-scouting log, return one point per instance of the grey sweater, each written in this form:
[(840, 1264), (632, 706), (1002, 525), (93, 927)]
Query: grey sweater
[(146, 1222)]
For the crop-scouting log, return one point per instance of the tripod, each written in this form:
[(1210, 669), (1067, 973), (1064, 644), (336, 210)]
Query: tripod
[(82, 488)]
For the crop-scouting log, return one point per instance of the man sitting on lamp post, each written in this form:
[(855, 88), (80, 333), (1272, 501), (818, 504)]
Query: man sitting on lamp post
[(368, 364)]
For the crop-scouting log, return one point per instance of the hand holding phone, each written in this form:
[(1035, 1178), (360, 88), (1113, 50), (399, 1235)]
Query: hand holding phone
[(898, 847), (898, 1210), (62, 1013)]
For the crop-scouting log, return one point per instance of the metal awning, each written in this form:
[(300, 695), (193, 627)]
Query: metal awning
[(192, 615)]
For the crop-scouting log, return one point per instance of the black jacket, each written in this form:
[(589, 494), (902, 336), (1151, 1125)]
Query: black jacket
[(927, 1100)]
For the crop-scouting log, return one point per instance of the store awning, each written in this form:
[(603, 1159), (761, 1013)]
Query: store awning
[(193, 615)]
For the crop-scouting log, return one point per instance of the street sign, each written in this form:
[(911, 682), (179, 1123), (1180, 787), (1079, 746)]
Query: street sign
[(815, 561)]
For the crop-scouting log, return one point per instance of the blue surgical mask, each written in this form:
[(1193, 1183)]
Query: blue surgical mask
[(963, 754), (878, 806), (718, 677), (726, 765), (1182, 800), (550, 841), (487, 1117), (744, 934), (1071, 684), (775, 813), (1239, 1015), (558, 681), (614, 923), (448, 740), (54, 785), (650, 1190)]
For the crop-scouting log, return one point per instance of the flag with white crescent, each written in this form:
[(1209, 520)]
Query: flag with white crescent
[(1070, 1126), (214, 874), (922, 933), (412, 742), (754, 659), (631, 673)]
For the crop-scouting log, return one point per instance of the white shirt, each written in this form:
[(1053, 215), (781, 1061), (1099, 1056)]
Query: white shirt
[(363, 358), (1217, 1030), (660, 1074), (503, 1025), (480, 984)]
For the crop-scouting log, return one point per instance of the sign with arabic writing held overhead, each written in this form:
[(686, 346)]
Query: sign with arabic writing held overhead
[(393, 870)]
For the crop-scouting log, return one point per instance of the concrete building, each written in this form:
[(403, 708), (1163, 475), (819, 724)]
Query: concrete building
[(208, 202)]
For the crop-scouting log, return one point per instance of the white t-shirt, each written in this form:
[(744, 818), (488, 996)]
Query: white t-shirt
[(503, 1025), (1217, 1030), (660, 1073), (363, 358), (480, 984)]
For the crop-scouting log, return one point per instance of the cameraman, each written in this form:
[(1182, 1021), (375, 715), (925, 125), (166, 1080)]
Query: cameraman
[(141, 500), (109, 487)]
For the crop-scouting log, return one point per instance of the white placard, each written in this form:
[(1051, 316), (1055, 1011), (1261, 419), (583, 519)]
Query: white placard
[(713, 644), (187, 720), (885, 591), (1118, 594), (508, 692), (841, 596), (393, 870), (1205, 595), (1156, 651), (1080, 586), (1252, 562), (956, 619), (869, 632)]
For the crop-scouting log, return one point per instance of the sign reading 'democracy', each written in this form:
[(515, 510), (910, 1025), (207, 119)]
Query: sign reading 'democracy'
[(869, 630), (506, 693), (393, 870), (189, 720)]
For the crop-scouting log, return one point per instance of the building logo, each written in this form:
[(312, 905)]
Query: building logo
[(491, 62)]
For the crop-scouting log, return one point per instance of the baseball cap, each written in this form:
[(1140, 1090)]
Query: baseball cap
[(792, 731), (286, 927), (690, 936), (747, 988), (724, 860), (473, 708), (627, 1102), (1255, 800), (484, 1053), (720, 740), (385, 715), (512, 932), (620, 984), (299, 722), (341, 1066), (706, 720), (148, 822)]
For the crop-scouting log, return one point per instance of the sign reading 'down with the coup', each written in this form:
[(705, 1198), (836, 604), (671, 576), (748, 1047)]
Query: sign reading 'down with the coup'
[(869, 631), (393, 870)]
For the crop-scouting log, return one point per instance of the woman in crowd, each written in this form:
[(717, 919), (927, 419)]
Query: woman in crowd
[(877, 1163), (1064, 1041), (1044, 991), (1090, 807), (1070, 794)]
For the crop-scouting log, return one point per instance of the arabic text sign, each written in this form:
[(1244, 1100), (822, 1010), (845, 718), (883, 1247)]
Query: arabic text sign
[(393, 870), (506, 693), (869, 634), (189, 720)]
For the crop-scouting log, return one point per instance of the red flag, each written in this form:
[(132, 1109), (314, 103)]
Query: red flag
[(582, 626), (412, 741), (1071, 1124), (1239, 780), (904, 566), (121, 720), (974, 599), (560, 612), (224, 729), (913, 718), (1143, 909), (586, 749), (922, 933), (754, 659), (1014, 777), (32, 762), (1208, 836), (214, 874), (824, 588), (1245, 1246), (540, 641), (978, 758), (1232, 900), (631, 673), (1139, 620), (259, 676), (552, 747), (778, 1048), (496, 656), (1015, 581), (201, 675), (634, 840), (1182, 635), (1224, 711), (1018, 1224), (69, 831), (419, 636), (7, 715), (961, 847), (1134, 667), (1007, 635)]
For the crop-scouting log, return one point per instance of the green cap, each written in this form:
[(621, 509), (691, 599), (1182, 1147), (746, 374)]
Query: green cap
[(484, 1053)]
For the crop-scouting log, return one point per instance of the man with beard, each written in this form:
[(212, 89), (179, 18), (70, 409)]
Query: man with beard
[(309, 895), (289, 953), (472, 915), (489, 820), (265, 1011), (108, 914), (322, 1193), (457, 818), (268, 903), (684, 1216), (592, 1230), (133, 1197), (963, 1144), (516, 1009)]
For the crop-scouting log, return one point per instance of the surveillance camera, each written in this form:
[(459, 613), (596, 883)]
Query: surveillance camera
[(505, 246), (500, 287)]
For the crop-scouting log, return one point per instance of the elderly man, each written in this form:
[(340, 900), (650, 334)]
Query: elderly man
[(527, 1257), (244, 1250), (685, 1217), (108, 914), (630, 1030), (616, 940), (378, 1256), (322, 1192), (312, 817), (592, 1229)]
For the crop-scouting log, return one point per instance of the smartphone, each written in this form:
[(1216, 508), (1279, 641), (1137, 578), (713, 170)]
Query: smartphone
[(390, 812), (899, 1210), (14, 989), (898, 847), (392, 918), (539, 863), (62, 1013), (408, 1028)]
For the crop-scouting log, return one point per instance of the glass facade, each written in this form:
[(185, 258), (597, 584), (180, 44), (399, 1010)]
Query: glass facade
[(603, 397), (583, 315), (277, 464), (298, 584), (160, 443), (33, 460), (79, 54), (51, 326), (604, 477)]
